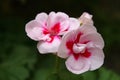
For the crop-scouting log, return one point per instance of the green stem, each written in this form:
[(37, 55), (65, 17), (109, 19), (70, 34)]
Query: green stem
[(55, 75), (57, 64)]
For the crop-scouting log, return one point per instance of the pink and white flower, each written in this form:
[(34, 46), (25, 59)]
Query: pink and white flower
[(47, 29), (83, 49)]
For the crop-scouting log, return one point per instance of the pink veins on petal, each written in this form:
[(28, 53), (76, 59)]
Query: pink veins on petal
[(55, 29), (78, 38), (70, 45), (86, 54), (45, 31), (52, 32)]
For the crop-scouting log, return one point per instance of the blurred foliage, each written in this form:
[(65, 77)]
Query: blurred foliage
[(19, 58)]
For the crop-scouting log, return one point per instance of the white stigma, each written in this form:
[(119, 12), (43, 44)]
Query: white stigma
[(79, 48)]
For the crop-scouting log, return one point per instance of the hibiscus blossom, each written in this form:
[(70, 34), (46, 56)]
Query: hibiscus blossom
[(83, 50), (48, 29)]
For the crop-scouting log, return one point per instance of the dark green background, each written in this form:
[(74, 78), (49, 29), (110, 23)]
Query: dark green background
[(19, 58)]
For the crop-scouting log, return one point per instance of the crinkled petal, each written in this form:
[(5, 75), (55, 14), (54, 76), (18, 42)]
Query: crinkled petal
[(51, 17), (85, 29), (96, 59), (93, 39), (49, 47), (74, 24), (63, 51), (64, 26), (60, 17), (55, 18), (34, 30), (77, 66), (86, 18), (42, 18)]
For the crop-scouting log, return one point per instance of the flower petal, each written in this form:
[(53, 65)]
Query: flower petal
[(49, 47), (63, 51), (77, 66), (86, 18), (64, 26), (74, 24), (42, 18), (85, 29), (60, 16), (55, 18), (93, 39), (34, 30), (96, 58)]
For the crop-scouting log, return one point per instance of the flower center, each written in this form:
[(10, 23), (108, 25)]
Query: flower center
[(79, 48), (55, 29)]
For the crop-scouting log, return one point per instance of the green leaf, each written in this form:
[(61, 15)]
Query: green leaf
[(66, 75), (105, 74), (21, 55), (13, 73), (18, 64), (3, 75), (53, 76), (91, 75), (42, 74), (46, 68), (101, 74)]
